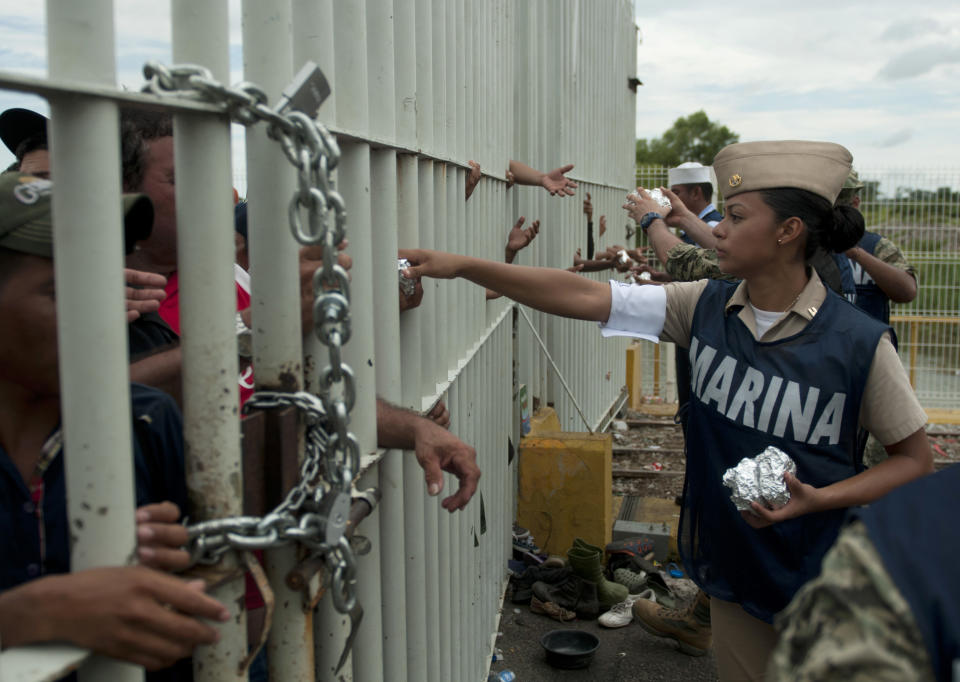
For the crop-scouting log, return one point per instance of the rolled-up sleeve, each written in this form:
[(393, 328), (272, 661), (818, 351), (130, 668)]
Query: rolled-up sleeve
[(635, 310)]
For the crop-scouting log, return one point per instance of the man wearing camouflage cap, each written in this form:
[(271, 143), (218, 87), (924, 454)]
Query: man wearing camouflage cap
[(880, 271)]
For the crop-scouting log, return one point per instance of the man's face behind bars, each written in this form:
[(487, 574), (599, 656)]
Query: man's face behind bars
[(28, 344)]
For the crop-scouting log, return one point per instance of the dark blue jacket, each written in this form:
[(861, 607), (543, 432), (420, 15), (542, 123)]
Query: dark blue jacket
[(159, 472)]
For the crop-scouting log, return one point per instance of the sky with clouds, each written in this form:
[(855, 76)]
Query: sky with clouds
[(880, 77)]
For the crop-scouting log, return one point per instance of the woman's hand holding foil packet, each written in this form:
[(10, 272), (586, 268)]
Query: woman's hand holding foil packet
[(766, 490)]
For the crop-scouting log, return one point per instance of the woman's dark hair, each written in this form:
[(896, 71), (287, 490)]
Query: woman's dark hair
[(835, 228)]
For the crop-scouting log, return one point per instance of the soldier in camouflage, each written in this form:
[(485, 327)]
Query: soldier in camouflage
[(851, 623), (886, 605), (881, 274)]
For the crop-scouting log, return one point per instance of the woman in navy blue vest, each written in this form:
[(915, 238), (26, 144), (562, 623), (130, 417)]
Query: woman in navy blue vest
[(776, 360)]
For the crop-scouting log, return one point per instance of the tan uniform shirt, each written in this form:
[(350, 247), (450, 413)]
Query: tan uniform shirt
[(889, 409)]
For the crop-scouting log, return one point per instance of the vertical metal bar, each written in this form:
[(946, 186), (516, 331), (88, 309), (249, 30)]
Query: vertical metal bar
[(278, 352), (424, 97), (442, 238), (405, 56), (88, 262), (353, 110), (439, 59), (411, 323), (429, 376), (383, 180), (205, 260)]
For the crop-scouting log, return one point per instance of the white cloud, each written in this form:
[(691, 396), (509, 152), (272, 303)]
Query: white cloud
[(920, 27), (811, 70), (920, 61)]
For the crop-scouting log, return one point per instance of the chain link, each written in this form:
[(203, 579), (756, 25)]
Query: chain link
[(314, 512)]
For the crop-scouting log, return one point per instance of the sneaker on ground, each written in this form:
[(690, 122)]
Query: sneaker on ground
[(620, 614), (551, 609), (525, 544), (632, 580), (520, 532)]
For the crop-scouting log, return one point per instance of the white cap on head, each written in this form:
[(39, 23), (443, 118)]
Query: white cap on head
[(689, 173)]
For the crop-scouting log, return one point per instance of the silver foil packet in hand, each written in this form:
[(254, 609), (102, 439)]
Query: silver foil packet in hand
[(655, 194), (407, 286), (760, 479)]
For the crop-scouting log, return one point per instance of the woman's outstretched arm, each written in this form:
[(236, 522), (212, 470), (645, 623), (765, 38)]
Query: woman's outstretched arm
[(551, 290)]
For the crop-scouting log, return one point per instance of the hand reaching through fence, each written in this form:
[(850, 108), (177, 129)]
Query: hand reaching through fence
[(311, 258), (439, 450), (133, 613), (473, 178), (519, 238), (144, 292), (436, 449), (439, 414), (160, 538), (414, 299), (554, 181)]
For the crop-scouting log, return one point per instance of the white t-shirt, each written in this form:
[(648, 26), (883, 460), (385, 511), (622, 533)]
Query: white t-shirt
[(765, 319)]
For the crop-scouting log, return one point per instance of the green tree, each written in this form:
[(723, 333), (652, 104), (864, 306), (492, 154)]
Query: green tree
[(691, 138)]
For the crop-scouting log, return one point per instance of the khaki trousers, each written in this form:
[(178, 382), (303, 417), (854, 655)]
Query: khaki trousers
[(742, 644)]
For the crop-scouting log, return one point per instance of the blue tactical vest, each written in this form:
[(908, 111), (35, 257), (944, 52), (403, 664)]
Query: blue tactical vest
[(870, 297), (914, 529), (847, 282), (801, 394), (712, 215)]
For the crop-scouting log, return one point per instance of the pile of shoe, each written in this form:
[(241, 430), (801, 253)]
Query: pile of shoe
[(658, 610), (531, 586), (585, 591)]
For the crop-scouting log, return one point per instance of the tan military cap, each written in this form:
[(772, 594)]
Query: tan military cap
[(818, 167)]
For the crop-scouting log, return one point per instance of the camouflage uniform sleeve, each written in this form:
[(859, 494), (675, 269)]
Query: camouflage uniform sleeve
[(688, 263), (851, 623), (891, 254)]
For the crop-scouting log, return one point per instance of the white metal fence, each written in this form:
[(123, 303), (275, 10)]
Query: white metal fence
[(919, 210), (419, 88)]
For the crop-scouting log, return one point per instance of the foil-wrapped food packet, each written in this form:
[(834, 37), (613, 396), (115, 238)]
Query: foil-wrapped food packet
[(760, 479), (623, 257), (407, 285), (655, 194)]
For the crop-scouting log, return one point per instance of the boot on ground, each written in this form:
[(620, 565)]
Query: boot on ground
[(689, 628)]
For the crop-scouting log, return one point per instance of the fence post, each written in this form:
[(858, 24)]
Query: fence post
[(88, 250)]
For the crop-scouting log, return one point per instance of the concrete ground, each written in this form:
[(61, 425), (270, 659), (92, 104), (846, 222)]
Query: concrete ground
[(625, 654)]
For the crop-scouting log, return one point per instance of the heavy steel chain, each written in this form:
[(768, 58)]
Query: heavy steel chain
[(314, 512)]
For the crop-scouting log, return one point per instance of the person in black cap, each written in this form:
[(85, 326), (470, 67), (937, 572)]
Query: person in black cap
[(25, 134), (137, 613)]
